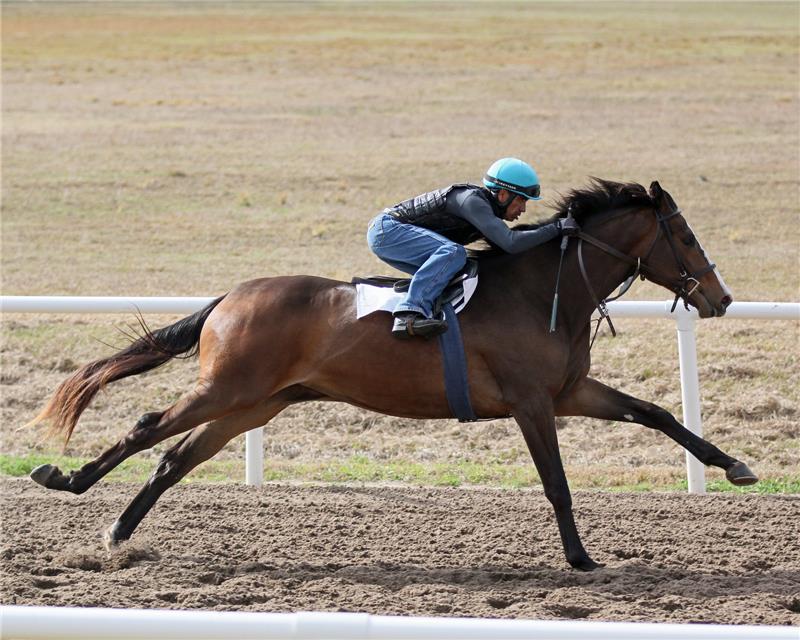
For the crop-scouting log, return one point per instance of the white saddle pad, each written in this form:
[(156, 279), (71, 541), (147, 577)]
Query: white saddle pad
[(370, 299)]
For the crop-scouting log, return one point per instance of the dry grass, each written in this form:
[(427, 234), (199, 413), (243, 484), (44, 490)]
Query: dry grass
[(178, 149)]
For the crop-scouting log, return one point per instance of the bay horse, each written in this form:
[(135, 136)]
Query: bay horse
[(273, 342)]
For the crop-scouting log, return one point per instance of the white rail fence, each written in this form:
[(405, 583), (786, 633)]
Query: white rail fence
[(684, 321), (56, 623)]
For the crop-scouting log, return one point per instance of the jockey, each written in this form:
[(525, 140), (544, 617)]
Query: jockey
[(425, 236)]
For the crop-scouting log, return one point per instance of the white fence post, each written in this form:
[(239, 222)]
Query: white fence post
[(254, 457), (690, 396)]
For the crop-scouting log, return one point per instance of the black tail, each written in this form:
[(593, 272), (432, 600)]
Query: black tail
[(150, 350)]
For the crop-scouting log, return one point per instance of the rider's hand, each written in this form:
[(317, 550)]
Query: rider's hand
[(569, 227)]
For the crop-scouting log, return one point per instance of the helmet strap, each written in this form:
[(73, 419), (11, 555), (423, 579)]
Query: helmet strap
[(502, 206)]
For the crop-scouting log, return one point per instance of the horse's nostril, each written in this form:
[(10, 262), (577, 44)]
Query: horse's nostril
[(726, 302)]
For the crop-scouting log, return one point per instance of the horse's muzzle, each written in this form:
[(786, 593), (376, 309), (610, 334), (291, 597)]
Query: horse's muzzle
[(721, 308)]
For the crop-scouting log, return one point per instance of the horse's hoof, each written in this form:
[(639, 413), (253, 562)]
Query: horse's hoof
[(740, 475), (111, 537), (49, 476), (586, 564), (109, 541)]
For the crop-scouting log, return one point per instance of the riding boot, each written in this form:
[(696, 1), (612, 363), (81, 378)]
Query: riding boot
[(409, 324)]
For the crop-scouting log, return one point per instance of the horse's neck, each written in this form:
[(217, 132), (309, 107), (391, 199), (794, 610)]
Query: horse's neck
[(536, 272)]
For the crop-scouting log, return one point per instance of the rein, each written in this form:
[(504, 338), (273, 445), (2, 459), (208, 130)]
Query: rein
[(641, 269)]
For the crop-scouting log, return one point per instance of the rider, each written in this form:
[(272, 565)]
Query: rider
[(424, 236)]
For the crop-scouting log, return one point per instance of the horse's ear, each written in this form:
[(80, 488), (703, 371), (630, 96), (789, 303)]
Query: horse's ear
[(656, 192)]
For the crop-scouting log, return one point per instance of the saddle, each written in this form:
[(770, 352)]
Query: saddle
[(453, 290)]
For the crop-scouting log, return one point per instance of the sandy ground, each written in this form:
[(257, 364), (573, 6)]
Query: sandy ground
[(387, 550)]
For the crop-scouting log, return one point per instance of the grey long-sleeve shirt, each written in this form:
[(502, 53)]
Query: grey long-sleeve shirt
[(468, 204)]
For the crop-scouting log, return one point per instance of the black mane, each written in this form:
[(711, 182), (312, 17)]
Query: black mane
[(599, 197)]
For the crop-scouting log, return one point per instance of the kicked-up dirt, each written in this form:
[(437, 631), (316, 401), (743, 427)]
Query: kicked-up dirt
[(390, 550)]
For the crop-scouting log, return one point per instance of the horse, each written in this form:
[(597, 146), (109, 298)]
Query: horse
[(273, 342)]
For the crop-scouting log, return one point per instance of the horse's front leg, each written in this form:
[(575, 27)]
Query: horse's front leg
[(539, 429), (595, 400)]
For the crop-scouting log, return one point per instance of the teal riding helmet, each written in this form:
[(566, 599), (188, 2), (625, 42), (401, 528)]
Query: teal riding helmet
[(514, 175)]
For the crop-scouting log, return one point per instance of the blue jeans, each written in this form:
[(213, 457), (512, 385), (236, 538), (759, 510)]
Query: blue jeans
[(432, 259)]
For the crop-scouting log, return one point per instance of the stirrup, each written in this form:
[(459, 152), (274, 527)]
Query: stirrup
[(409, 325)]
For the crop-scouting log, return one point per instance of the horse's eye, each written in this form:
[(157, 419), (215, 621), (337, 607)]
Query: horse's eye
[(689, 240)]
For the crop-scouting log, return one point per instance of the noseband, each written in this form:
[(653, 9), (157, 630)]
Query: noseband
[(689, 280)]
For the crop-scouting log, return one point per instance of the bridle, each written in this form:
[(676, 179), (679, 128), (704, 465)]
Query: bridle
[(689, 280)]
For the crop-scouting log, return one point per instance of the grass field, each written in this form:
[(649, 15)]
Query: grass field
[(177, 149)]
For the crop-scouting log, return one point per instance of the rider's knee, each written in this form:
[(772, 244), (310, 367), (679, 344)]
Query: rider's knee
[(457, 253), (460, 251)]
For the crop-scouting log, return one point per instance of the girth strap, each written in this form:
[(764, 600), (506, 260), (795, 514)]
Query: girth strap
[(454, 361)]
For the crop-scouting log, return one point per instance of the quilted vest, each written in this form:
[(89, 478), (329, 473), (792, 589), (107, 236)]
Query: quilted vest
[(429, 211)]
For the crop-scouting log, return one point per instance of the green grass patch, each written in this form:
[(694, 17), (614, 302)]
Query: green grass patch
[(781, 484), (128, 471), (360, 468)]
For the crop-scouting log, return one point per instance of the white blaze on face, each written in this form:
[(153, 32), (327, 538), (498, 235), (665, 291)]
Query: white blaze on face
[(716, 271)]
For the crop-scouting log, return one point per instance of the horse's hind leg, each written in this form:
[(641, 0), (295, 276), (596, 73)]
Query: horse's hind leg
[(595, 400), (195, 447), (193, 409)]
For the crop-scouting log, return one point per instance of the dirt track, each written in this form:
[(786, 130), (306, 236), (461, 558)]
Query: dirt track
[(449, 552)]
